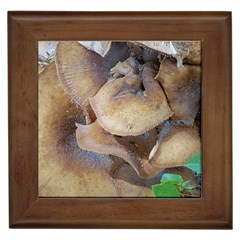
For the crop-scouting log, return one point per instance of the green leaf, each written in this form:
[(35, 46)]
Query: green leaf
[(187, 186), (171, 178), (166, 190), (195, 163)]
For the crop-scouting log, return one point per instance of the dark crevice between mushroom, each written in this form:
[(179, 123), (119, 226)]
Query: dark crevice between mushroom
[(141, 144), (122, 170)]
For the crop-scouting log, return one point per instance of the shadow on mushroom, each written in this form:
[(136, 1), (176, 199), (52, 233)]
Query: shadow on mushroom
[(65, 170), (182, 88), (149, 153)]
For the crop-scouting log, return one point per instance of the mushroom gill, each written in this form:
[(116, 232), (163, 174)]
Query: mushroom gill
[(82, 72), (182, 88), (124, 109)]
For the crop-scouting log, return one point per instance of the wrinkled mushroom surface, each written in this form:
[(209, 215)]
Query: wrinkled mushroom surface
[(182, 88), (124, 110)]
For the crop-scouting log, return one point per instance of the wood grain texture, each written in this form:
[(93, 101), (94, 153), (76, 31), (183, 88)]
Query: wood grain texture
[(213, 210)]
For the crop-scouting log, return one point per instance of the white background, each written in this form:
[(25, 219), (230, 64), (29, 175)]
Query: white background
[(120, 5)]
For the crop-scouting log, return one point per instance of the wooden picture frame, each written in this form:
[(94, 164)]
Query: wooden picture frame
[(212, 210)]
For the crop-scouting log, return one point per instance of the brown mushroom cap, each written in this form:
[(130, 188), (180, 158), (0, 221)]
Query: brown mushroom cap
[(135, 111), (182, 88), (176, 144), (65, 170), (82, 72), (94, 138)]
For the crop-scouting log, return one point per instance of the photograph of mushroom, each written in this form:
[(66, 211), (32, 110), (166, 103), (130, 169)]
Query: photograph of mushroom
[(119, 119)]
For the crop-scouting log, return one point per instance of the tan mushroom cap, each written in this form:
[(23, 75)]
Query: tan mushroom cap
[(94, 138), (82, 72), (182, 88), (176, 144), (124, 110)]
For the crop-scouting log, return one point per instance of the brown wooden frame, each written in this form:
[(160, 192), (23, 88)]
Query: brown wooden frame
[(213, 210)]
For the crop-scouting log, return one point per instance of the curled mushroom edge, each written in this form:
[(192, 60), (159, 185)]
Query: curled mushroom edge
[(149, 153)]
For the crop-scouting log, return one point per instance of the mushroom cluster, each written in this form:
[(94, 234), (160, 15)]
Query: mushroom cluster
[(140, 99)]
